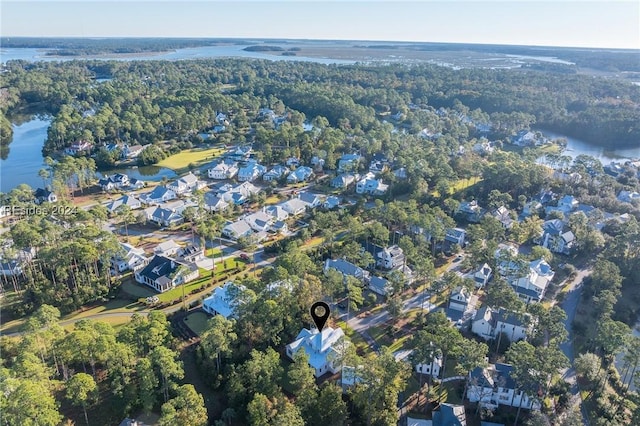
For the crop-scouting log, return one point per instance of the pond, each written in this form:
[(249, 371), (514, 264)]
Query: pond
[(24, 158)]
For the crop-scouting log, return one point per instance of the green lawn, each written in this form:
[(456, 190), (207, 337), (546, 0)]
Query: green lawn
[(361, 346), (213, 252), (185, 289), (180, 162), (198, 322)]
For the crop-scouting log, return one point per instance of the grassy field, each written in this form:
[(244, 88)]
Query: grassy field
[(180, 162), (197, 322)]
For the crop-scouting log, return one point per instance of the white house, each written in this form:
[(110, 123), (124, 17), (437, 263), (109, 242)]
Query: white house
[(259, 221), (555, 237), (343, 180), (532, 286), (431, 368), (628, 196), (390, 258), (167, 248), (331, 202), (132, 151), (78, 147), (163, 274), (186, 184), (503, 215), (300, 174), (459, 299), (251, 171), (237, 229), (482, 276), (312, 200), (370, 185), (493, 386), (131, 258), (275, 173), (162, 216), (115, 181), (323, 348), (126, 200), (379, 286), (455, 236), (276, 212), (238, 194), (44, 196), (159, 195), (214, 203), (294, 206), (223, 170), (489, 323), (345, 268), (221, 302)]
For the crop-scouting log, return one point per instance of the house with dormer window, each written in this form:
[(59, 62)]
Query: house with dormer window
[(163, 273), (322, 347)]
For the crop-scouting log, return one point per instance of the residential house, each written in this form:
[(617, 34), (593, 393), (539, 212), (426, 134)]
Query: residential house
[(455, 236), (370, 185), (259, 221), (237, 229), (531, 208), (331, 202), (292, 162), (44, 196), (312, 200), (280, 227), (348, 163), (322, 347), (130, 258), (524, 138), (222, 119), (390, 258), (449, 415), (223, 170), (380, 286), (503, 215), (275, 173), (251, 171), (346, 268), (10, 268), (556, 237), (301, 174), (163, 274), (493, 386), (401, 173), (126, 200), (115, 181), (159, 195), (471, 211), (135, 184), (191, 253), (484, 147), (377, 166), (163, 216), (223, 300), (78, 148), (132, 151), (430, 369), (628, 196), (167, 248), (532, 286), (459, 308), (317, 162), (482, 276), (186, 184), (276, 212), (241, 153), (343, 180), (294, 206), (488, 323), (238, 194), (214, 203), (350, 376)]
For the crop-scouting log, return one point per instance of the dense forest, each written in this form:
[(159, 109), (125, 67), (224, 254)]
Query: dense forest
[(151, 101)]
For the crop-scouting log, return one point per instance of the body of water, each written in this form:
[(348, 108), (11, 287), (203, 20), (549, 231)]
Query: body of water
[(25, 155), (576, 147), (205, 52), (25, 159)]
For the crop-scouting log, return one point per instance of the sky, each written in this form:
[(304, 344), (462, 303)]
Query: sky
[(608, 24)]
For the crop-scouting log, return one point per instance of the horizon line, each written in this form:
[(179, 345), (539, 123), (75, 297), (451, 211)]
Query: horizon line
[(275, 39)]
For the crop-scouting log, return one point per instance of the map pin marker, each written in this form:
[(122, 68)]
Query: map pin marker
[(320, 319)]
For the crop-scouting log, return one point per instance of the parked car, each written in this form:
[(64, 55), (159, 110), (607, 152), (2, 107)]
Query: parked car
[(245, 256)]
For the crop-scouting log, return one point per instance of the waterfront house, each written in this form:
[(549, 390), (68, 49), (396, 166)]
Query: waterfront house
[(44, 196), (158, 195), (186, 184)]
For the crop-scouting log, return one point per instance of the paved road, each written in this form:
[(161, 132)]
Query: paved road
[(570, 306)]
